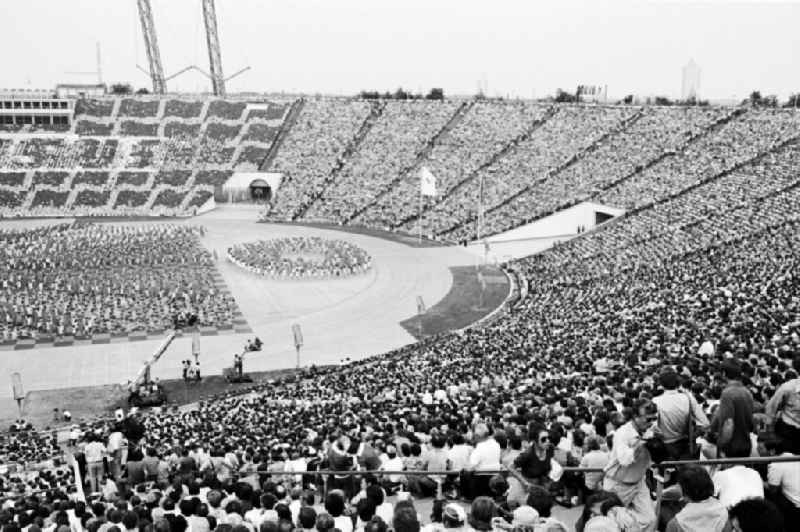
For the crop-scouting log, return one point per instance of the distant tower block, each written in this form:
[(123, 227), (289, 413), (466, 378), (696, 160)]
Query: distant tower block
[(690, 82), (214, 56)]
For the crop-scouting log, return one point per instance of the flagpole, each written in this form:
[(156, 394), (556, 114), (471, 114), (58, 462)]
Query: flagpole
[(480, 208), (419, 218)]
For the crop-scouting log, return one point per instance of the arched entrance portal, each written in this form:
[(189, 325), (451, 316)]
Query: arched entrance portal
[(260, 190)]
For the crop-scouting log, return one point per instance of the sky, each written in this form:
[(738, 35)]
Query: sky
[(518, 48)]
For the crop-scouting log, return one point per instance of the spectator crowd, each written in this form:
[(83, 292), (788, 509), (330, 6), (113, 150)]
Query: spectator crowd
[(672, 333), (713, 337)]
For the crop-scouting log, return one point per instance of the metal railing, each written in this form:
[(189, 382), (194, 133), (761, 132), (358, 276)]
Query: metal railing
[(437, 475), (658, 470)]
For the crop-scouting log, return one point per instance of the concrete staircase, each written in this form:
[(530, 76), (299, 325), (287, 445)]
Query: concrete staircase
[(352, 147), (421, 156), (112, 199), (291, 119)]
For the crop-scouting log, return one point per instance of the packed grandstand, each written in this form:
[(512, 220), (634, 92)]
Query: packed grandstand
[(671, 332)]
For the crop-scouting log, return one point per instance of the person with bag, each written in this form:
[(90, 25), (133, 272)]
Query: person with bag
[(680, 418), (629, 462), (733, 422)]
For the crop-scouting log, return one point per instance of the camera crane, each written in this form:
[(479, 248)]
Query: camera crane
[(143, 391)]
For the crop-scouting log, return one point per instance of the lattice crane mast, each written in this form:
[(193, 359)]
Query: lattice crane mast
[(151, 46)]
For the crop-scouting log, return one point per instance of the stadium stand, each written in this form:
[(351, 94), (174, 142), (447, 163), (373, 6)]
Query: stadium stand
[(484, 130), (389, 148), (312, 149), (138, 108), (12, 179), (97, 179), (183, 109), (91, 128), (681, 315), (124, 140)]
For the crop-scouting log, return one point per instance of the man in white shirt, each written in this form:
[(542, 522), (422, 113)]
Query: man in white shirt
[(459, 453), (783, 483), (94, 453), (114, 449), (201, 458), (706, 348), (485, 457), (392, 463), (677, 412), (295, 504), (297, 464), (737, 483)]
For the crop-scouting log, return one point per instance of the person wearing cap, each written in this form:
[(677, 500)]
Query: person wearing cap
[(525, 516), (454, 517), (678, 412)]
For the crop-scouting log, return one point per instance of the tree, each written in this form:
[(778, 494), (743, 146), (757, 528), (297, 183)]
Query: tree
[(770, 101), (435, 93), (121, 88), (663, 100), (143, 90), (400, 94), (793, 101), (565, 97), (757, 100), (627, 100)]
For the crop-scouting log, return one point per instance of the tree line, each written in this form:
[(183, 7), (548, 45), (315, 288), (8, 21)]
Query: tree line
[(435, 93)]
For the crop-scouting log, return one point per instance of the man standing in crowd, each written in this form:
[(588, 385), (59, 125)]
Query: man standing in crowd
[(485, 457), (629, 462), (783, 410), (733, 421), (94, 453), (677, 412), (783, 486)]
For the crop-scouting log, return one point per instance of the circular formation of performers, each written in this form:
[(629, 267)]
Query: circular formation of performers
[(305, 257)]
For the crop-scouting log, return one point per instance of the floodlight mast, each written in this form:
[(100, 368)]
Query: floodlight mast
[(151, 46), (214, 55)]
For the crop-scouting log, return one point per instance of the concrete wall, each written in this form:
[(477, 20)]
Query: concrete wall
[(542, 234)]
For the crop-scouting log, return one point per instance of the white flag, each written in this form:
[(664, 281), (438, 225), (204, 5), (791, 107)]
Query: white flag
[(427, 182)]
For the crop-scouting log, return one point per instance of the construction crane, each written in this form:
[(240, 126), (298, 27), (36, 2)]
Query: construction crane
[(151, 47)]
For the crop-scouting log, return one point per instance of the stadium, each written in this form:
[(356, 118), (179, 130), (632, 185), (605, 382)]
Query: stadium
[(248, 312)]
